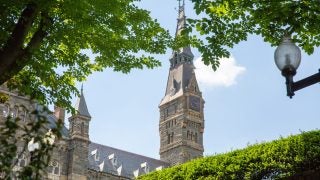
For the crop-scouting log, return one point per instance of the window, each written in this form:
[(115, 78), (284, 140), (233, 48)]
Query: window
[(196, 137), (22, 161), (6, 110), (171, 137), (145, 167), (54, 169), (82, 128), (168, 141), (15, 112), (188, 134), (113, 159), (23, 114)]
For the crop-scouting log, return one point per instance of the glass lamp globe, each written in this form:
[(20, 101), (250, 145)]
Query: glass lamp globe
[(287, 55)]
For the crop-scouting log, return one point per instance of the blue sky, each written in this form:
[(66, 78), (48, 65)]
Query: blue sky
[(246, 101)]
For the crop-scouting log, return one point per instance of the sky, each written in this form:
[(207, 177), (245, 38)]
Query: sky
[(245, 100)]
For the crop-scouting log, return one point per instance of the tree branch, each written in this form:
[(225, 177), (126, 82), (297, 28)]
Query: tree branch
[(15, 42), (23, 56)]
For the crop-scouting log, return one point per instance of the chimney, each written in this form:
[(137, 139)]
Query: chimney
[(59, 113)]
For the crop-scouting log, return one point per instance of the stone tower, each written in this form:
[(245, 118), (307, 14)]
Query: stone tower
[(79, 143), (181, 110)]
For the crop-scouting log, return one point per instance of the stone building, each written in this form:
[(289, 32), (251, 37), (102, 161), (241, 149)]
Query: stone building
[(76, 157)]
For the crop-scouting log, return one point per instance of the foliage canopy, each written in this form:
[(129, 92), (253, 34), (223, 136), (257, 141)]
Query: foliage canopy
[(277, 159), (225, 23), (42, 43)]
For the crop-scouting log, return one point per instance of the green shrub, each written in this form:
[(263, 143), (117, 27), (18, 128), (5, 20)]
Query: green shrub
[(277, 159)]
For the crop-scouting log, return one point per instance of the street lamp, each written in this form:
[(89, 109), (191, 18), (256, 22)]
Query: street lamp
[(287, 58)]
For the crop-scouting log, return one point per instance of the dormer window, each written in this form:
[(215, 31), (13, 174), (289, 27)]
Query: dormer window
[(136, 173), (96, 154), (145, 167), (113, 159)]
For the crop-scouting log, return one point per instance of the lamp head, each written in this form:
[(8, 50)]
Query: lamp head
[(287, 57)]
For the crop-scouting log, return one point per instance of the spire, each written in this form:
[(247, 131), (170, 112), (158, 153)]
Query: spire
[(81, 105), (184, 54), (181, 18)]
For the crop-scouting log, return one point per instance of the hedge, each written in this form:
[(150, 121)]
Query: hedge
[(276, 160)]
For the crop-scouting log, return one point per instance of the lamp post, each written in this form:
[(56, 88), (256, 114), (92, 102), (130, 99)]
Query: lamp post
[(287, 58)]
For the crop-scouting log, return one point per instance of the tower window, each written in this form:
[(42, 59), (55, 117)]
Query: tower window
[(82, 128), (188, 134), (168, 142), (171, 137), (196, 137)]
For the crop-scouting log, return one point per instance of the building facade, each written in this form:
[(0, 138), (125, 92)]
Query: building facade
[(75, 157)]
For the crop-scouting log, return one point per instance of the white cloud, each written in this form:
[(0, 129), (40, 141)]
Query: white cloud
[(224, 76)]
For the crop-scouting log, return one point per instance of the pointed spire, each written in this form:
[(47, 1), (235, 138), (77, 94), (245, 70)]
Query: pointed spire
[(181, 18), (81, 105), (184, 54)]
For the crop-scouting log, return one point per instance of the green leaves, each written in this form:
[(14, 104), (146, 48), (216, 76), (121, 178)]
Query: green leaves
[(277, 159), (228, 22), (117, 31)]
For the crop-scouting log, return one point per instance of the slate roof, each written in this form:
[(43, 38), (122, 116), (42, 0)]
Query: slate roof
[(52, 124), (178, 79), (81, 105), (127, 164)]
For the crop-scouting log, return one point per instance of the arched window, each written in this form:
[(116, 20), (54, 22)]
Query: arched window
[(54, 168), (6, 110), (188, 134), (168, 142), (15, 112), (191, 136), (22, 161)]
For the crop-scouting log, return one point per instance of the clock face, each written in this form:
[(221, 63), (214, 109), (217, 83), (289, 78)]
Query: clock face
[(194, 103)]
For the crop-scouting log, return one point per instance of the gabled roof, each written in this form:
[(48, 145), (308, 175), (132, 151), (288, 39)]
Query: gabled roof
[(81, 105), (127, 164)]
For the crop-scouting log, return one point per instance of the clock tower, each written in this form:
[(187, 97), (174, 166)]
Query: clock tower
[(181, 109)]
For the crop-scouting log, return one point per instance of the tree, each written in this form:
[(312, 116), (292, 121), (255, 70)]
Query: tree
[(42, 43), (228, 22)]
